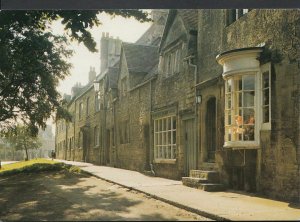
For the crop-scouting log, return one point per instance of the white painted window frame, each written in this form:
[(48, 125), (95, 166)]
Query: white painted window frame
[(164, 151), (264, 68), (255, 142)]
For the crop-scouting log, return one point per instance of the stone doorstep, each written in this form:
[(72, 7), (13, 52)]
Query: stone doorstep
[(212, 176), (202, 184), (211, 187), (208, 166), (193, 182), (148, 173)]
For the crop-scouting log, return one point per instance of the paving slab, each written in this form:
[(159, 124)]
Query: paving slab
[(215, 205)]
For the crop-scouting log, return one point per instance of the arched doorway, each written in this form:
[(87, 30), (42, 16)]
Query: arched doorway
[(211, 129)]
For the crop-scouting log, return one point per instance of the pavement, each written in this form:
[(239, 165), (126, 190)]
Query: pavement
[(228, 205)]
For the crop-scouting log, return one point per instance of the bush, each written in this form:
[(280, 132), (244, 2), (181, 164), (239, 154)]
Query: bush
[(74, 169), (34, 168)]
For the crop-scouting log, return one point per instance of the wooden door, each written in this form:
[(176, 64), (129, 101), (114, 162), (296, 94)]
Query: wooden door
[(211, 129), (190, 146)]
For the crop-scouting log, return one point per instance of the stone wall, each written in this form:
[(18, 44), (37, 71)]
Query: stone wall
[(276, 163)]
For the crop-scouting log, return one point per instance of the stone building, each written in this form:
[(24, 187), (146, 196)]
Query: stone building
[(202, 92), (248, 77)]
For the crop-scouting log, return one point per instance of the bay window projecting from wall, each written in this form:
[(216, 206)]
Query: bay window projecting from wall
[(240, 108), (247, 96), (165, 138), (172, 60)]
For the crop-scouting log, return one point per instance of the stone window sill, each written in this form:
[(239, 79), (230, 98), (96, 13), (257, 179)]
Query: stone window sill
[(168, 161)]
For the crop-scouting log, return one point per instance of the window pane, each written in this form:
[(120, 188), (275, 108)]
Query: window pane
[(266, 79), (266, 114), (248, 116), (169, 137), (266, 97), (249, 82), (228, 101), (238, 120), (174, 122), (240, 99), (248, 99), (248, 133), (174, 137), (240, 84)]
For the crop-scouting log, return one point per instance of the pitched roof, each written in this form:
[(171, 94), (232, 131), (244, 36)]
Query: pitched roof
[(140, 58), (189, 18)]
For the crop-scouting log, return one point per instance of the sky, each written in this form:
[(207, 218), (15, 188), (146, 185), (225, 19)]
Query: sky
[(128, 30)]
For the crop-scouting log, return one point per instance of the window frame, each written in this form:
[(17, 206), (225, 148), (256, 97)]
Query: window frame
[(172, 60), (96, 136), (264, 68), (80, 112), (241, 143), (87, 109), (161, 135), (233, 15)]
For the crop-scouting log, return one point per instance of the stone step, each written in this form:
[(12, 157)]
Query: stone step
[(208, 166), (202, 184), (211, 187), (211, 176), (193, 182), (148, 173)]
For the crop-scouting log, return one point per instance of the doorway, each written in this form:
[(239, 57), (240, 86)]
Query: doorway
[(190, 146), (107, 150), (210, 129)]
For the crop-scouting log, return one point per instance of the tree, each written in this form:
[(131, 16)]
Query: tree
[(33, 60), (20, 138)]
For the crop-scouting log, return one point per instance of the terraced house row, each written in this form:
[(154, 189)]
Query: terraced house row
[(211, 97)]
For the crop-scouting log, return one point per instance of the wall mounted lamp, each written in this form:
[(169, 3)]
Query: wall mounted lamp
[(198, 97)]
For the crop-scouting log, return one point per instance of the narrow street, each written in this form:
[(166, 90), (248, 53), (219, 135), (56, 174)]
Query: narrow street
[(67, 196)]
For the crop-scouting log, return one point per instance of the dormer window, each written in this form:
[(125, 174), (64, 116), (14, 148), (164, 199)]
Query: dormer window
[(172, 60), (234, 14)]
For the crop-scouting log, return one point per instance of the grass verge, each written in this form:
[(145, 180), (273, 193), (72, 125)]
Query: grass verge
[(36, 165)]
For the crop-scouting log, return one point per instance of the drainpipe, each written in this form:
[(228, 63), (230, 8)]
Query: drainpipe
[(189, 61), (74, 126), (298, 145), (150, 132)]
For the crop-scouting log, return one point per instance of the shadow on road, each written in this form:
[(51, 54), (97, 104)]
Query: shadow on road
[(66, 196)]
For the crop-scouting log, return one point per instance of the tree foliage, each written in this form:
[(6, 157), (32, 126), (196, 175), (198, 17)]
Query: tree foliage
[(33, 60), (20, 138)]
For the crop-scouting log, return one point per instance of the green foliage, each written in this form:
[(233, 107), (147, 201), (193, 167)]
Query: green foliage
[(21, 138), (33, 60), (74, 169), (36, 166)]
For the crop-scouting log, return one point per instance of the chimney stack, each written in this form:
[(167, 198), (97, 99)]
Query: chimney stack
[(92, 74)]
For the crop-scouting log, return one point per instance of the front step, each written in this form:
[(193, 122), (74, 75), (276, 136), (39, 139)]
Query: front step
[(203, 180), (211, 187), (211, 176)]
